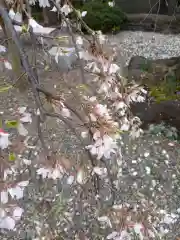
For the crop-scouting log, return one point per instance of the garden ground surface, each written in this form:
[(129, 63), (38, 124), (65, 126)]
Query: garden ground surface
[(150, 182)]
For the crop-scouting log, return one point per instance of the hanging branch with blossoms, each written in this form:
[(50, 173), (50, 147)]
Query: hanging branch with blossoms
[(103, 114)]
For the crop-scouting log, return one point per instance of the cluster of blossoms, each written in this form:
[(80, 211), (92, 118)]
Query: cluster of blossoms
[(11, 213), (103, 128), (11, 189), (106, 131)]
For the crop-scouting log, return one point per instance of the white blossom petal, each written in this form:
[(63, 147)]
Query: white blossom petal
[(70, 180), (111, 3), (84, 134), (26, 118), (4, 140), (105, 219), (112, 235), (100, 171), (66, 9), (4, 197), (79, 40), (65, 112), (22, 130), (18, 17), (2, 48), (2, 213), (22, 110), (7, 65), (113, 68), (43, 172), (44, 3), (83, 14), (7, 223), (17, 213), (54, 9), (34, 24), (80, 177), (11, 13), (23, 183), (16, 192)]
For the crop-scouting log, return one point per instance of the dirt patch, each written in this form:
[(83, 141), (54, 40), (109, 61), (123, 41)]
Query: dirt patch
[(153, 22)]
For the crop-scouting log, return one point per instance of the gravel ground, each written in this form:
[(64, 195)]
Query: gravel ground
[(148, 44), (151, 173)]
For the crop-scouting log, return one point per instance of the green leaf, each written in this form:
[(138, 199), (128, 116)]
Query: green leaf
[(24, 28), (12, 124), (82, 86), (46, 68), (5, 89), (12, 157), (119, 131)]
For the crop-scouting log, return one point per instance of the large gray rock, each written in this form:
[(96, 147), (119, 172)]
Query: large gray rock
[(155, 113), (152, 73)]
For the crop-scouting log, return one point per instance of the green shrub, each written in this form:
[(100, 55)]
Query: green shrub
[(38, 16), (100, 16)]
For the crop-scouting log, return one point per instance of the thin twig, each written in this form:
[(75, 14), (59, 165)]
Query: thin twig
[(73, 39)]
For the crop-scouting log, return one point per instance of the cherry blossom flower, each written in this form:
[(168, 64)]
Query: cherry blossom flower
[(84, 134), (85, 55), (44, 3), (4, 197), (100, 171), (113, 68), (110, 68), (32, 2), (65, 112), (105, 219), (2, 48), (54, 9), (17, 213), (26, 117), (16, 192), (104, 88), (111, 3), (22, 130), (83, 14), (66, 9), (124, 235), (11, 13), (79, 40), (7, 223), (135, 132), (81, 177), (18, 17), (2, 213), (125, 124), (136, 96), (7, 172), (101, 37), (103, 146), (7, 65), (60, 108), (70, 180), (138, 227), (93, 67), (34, 24), (51, 173)]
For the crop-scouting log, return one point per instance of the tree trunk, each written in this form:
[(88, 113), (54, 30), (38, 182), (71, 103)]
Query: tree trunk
[(21, 84), (171, 7), (45, 16)]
